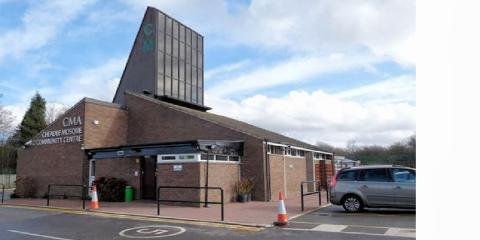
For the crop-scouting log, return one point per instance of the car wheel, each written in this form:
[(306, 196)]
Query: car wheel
[(352, 203)]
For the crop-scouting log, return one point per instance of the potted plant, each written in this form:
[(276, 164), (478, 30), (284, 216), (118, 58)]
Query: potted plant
[(243, 189)]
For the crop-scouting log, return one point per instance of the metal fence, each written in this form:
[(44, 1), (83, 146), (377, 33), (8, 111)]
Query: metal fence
[(83, 195), (8, 180)]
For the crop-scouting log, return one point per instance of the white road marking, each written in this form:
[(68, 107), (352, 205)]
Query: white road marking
[(38, 235), (329, 228), (152, 231), (401, 232)]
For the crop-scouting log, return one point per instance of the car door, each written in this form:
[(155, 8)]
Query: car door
[(377, 186), (405, 186)]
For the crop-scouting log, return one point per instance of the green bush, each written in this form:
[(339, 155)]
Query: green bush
[(25, 187), (110, 189)]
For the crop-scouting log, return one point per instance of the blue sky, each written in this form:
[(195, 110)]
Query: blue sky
[(328, 71)]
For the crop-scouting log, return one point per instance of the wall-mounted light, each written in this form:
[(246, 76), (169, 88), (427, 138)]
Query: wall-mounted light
[(96, 122)]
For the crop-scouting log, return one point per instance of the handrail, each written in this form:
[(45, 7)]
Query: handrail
[(186, 201), (83, 196), (310, 193)]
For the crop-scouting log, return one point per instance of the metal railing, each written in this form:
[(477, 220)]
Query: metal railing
[(83, 196), (319, 192), (186, 201), (3, 192)]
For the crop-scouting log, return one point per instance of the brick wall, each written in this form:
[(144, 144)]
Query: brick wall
[(123, 168), (111, 129), (287, 172), (223, 175), (61, 163), (171, 125), (189, 176)]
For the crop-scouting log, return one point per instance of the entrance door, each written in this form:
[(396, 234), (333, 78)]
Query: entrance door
[(149, 181)]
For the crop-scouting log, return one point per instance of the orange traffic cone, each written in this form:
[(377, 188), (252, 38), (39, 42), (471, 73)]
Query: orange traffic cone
[(282, 212), (94, 202)]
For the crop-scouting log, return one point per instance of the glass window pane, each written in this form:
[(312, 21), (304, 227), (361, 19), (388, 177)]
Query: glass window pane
[(182, 71), (404, 175), (181, 90), (168, 65), (175, 48), (194, 40), (168, 45), (175, 88), (221, 157), (169, 26), (161, 22), (200, 78), (168, 86), (188, 90), (160, 84), (200, 43), (161, 42), (175, 67), (189, 37), (374, 175), (200, 96), (347, 176), (188, 74), (168, 157), (199, 59), (194, 94), (182, 33), (160, 62), (194, 58), (182, 51), (175, 29), (189, 54), (234, 158), (194, 77), (210, 156)]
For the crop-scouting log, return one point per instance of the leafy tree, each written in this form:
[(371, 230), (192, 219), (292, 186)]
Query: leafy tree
[(33, 122)]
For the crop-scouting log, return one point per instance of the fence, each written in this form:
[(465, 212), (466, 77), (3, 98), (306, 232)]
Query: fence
[(187, 201), (8, 180), (83, 196)]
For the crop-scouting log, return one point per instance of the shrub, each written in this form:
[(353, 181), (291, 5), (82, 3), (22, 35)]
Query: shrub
[(244, 186), (110, 189), (25, 187)]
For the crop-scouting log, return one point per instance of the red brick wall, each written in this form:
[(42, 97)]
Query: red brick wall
[(123, 168), (190, 176), (61, 163), (223, 175), (322, 170), (111, 129), (294, 169), (172, 125)]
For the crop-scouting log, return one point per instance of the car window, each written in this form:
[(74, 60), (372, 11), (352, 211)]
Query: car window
[(403, 175), (375, 175), (347, 176)]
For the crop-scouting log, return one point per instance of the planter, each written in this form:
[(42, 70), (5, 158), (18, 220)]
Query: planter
[(249, 197), (242, 198)]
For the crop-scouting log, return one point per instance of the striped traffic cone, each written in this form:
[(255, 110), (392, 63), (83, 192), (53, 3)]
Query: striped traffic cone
[(282, 219), (94, 202)]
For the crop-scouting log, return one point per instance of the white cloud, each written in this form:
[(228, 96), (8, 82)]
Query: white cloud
[(386, 28), (293, 70), (41, 23), (222, 70), (331, 118)]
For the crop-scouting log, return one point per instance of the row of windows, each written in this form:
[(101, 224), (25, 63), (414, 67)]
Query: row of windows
[(197, 157), (217, 157), (279, 150)]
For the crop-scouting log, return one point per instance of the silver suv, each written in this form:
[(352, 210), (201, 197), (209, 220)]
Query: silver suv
[(373, 186)]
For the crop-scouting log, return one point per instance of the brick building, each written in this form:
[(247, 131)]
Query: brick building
[(158, 132)]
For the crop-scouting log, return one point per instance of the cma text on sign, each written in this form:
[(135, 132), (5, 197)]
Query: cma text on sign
[(71, 133)]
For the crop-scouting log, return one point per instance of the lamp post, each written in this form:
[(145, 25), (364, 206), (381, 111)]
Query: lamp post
[(209, 148)]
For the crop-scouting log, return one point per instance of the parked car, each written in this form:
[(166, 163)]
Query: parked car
[(373, 186)]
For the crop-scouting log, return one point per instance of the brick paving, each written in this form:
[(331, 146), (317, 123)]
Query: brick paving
[(254, 212)]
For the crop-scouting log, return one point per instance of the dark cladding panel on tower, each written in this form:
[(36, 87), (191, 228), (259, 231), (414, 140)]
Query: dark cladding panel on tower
[(174, 66)]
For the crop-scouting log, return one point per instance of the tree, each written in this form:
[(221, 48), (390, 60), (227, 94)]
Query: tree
[(6, 120), (33, 122), (54, 111)]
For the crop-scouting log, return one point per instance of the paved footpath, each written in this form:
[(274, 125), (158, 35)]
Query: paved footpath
[(24, 223)]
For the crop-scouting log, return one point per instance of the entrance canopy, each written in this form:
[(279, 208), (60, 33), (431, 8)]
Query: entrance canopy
[(195, 146)]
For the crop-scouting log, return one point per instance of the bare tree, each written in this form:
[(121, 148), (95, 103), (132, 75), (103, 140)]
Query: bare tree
[(6, 121), (54, 111)]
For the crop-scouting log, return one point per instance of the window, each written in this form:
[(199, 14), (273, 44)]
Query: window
[(210, 157), (186, 157), (169, 158), (403, 175), (233, 158), (347, 176), (221, 158), (374, 175)]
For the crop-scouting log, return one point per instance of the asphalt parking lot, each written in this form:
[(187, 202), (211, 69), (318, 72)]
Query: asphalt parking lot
[(21, 223), (373, 222)]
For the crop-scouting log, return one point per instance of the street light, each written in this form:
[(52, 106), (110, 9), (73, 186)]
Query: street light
[(209, 148)]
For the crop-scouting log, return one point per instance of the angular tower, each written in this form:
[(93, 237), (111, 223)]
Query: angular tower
[(166, 61)]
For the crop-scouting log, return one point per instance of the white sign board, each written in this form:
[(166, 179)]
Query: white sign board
[(177, 168)]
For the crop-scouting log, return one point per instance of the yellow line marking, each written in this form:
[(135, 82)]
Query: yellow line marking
[(140, 218)]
